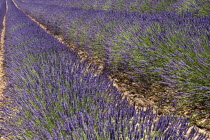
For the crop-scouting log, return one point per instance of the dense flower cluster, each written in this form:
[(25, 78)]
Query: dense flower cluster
[(55, 96), (161, 47), (146, 6)]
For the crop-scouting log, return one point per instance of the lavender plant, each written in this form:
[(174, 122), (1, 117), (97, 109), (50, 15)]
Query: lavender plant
[(2, 13), (163, 48), (53, 95)]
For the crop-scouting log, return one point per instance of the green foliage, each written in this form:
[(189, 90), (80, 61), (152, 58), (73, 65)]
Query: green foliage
[(107, 5)]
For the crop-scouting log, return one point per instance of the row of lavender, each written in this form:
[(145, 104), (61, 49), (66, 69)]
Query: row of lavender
[(198, 7), (170, 49), (53, 95), (2, 13)]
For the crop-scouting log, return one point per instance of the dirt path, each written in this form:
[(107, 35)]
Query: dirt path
[(131, 93), (2, 81)]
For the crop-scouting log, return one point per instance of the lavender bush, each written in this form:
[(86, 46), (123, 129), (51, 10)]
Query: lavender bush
[(166, 48), (2, 13), (53, 95)]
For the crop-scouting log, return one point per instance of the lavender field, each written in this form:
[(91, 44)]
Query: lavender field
[(54, 93)]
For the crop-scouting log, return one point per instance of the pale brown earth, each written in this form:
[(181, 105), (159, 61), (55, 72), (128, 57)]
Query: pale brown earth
[(2, 82), (131, 90)]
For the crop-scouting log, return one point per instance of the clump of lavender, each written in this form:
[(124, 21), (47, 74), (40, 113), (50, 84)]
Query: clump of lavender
[(2, 11), (54, 95)]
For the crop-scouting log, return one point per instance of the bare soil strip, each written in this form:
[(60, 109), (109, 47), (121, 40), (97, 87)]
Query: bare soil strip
[(2, 74), (2, 82), (129, 90)]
